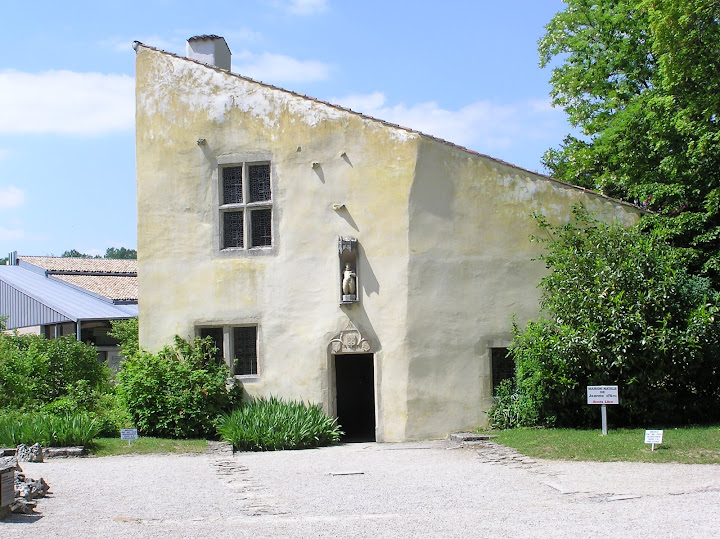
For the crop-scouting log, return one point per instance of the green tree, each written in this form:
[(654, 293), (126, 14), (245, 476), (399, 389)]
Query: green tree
[(640, 80), (121, 253), (74, 253), (619, 307)]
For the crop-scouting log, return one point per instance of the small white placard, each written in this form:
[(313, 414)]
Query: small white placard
[(128, 434), (602, 395), (653, 436)]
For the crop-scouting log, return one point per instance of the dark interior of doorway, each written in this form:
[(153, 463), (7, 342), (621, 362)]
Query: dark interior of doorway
[(355, 384)]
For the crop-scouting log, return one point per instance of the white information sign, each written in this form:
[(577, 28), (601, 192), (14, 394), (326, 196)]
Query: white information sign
[(602, 395), (653, 436), (128, 434)]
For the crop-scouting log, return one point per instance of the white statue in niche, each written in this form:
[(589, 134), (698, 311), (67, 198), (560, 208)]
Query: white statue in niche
[(348, 282)]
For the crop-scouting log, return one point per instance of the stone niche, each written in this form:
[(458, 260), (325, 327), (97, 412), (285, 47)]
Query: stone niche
[(349, 282)]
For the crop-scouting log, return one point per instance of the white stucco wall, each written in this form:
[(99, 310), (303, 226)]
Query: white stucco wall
[(291, 290), (470, 270)]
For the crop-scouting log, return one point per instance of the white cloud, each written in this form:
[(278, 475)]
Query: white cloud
[(66, 102), (278, 68), (484, 126), (11, 197)]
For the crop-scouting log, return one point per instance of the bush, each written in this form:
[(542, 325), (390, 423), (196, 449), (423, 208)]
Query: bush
[(126, 331), (273, 424), (48, 430), (620, 308), (179, 392), (35, 371), (511, 409)]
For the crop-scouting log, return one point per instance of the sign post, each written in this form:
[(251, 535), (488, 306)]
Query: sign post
[(603, 395), (128, 434), (653, 437)]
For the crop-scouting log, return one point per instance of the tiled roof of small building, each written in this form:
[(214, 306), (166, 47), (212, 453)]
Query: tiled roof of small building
[(114, 279), (83, 265), (115, 287)]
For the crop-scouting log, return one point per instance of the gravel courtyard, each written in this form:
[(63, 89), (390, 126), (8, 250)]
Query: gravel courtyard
[(423, 489)]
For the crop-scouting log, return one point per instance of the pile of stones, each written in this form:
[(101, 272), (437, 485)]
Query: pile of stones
[(24, 490)]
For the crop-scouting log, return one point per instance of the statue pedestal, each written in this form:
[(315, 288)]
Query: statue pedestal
[(348, 298)]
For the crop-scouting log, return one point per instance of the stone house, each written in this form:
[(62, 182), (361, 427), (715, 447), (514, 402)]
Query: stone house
[(333, 257)]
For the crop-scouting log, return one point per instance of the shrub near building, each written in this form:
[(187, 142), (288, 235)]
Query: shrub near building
[(621, 308), (178, 392)]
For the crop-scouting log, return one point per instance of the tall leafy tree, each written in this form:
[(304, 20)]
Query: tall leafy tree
[(640, 80)]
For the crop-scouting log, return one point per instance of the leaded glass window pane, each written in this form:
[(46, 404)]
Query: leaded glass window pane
[(261, 227), (259, 182), (245, 339), (232, 185), (233, 229)]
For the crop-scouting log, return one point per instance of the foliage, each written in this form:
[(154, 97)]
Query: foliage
[(640, 80), (126, 332), (178, 392), (274, 424), (696, 445), (74, 253), (110, 253), (35, 371), (621, 308), (511, 409), (70, 429), (121, 253)]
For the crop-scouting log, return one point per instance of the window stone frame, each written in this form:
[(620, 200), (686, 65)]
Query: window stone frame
[(244, 160), (228, 346)]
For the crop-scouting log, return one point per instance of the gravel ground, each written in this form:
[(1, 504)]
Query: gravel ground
[(424, 489)]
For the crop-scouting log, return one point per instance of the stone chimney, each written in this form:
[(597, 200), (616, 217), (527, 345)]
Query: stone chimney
[(209, 49)]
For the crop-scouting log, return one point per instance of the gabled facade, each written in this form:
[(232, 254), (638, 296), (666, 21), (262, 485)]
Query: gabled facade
[(333, 257)]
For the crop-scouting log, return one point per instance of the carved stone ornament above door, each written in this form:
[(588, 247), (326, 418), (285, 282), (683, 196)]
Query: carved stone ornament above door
[(349, 341)]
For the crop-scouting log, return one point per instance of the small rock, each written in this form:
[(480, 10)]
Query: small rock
[(34, 453), (22, 506)]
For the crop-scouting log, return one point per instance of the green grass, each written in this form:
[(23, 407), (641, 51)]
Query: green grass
[(105, 447), (696, 445)]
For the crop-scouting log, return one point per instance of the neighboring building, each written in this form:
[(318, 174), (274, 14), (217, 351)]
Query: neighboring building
[(69, 296), (333, 257)]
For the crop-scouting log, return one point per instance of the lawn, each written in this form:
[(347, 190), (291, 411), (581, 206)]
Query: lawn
[(104, 447), (696, 445)]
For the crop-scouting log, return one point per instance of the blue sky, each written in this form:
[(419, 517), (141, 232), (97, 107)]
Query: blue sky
[(463, 70)]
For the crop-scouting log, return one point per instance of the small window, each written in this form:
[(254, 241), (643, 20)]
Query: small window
[(246, 207), (245, 339), (242, 353), (503, 366)]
